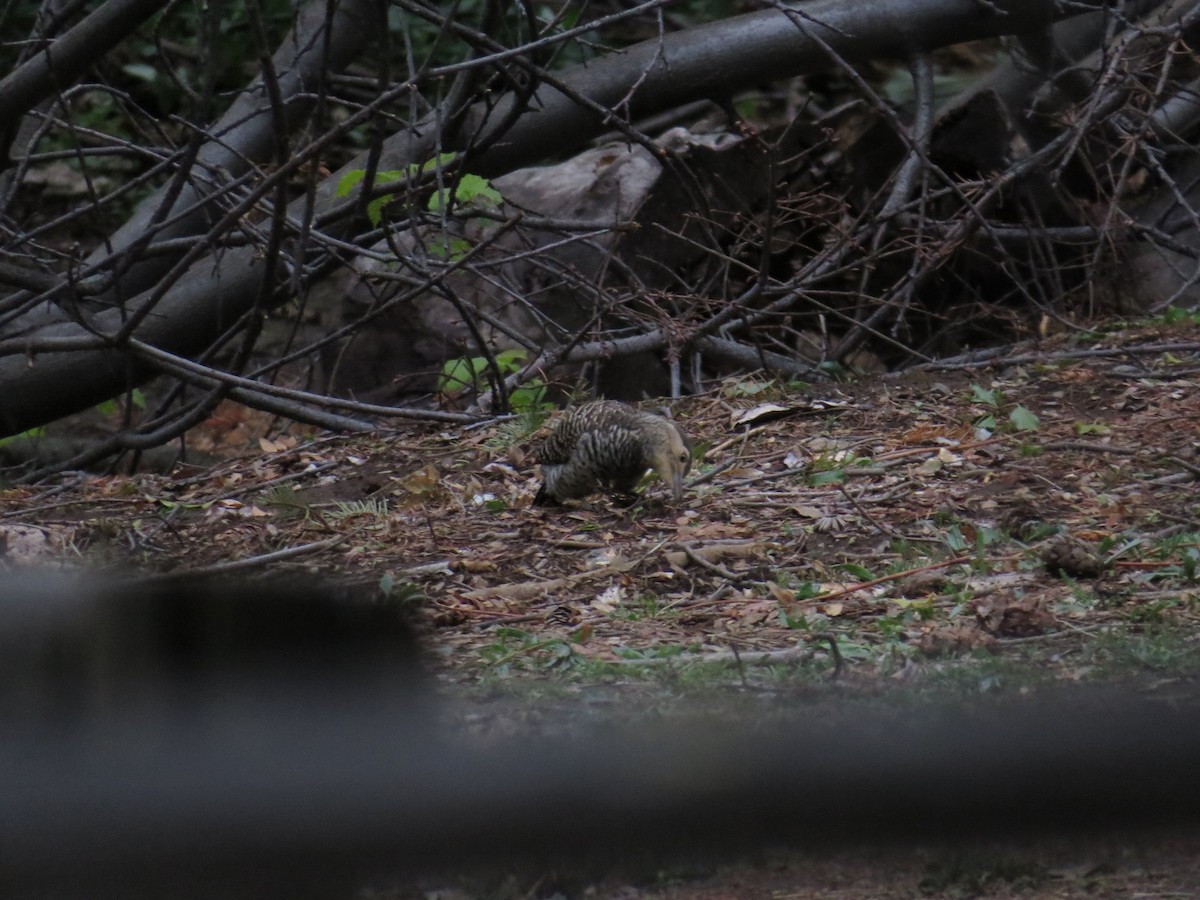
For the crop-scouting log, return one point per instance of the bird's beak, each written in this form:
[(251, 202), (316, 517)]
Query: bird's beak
[(677, 487)]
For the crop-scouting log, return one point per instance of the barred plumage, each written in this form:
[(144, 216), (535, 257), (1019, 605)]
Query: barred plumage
[(608, 446)]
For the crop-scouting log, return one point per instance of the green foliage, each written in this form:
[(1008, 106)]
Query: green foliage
[(1156, 612), (1190, 565), (31, 434), (832, 476), (646, 606), (111, 407), (350, 509), (516, 649), (518, 428), (471, 190), (469, 373), (1019, 418), (862, 573), (956, 541), (1179, 316), (1023, 420), (987, 396)]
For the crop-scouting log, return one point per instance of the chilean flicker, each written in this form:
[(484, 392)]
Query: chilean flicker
[(608, 446)]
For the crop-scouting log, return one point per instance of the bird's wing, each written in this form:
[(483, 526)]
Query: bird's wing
[(556, 449)]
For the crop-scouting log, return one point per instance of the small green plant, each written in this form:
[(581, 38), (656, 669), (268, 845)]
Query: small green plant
[(1180, 316), (794, 619), (350, 509), (646, 606), (862, 573), (516, 649), (1156, 612), (955, 540), (469, 374), (471, 190), (1019, 418), (1189, 565)]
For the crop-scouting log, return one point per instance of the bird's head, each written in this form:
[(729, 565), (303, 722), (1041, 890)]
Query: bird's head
[(671, 456)]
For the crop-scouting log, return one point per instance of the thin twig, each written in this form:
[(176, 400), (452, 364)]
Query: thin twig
[(242, 565)]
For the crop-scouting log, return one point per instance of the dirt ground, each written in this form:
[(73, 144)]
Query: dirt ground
[(1028, 522)]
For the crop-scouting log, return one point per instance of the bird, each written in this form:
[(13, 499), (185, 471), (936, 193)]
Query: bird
[(607, 445)]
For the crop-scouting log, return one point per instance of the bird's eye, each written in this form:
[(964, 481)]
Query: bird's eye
[(683, 457)]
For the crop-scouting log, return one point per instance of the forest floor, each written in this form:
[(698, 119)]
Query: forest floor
[(999, 528)]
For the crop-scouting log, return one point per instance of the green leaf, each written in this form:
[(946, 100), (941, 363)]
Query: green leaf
[(472, 188), (350, 181), (31, 434), (375, 208), (1023, 420), (955, 540), (1082, 428), (528, 398), (794, 619), (833, 476), (983, 395), (441, 160), (452, 249), (460, 374), (510, 361), (437, 201)]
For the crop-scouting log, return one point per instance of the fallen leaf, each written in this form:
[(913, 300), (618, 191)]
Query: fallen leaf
[(781, 594), (764, 412), (608, 600)]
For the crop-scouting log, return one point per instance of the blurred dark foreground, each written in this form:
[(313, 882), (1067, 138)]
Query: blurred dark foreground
[(210, 739)]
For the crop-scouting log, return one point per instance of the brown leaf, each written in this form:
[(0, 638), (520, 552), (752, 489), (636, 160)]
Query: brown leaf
[(782, 594)]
